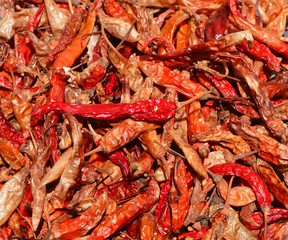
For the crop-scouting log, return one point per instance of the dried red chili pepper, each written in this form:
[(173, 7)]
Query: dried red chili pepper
[(258, 32), (228, 91), (149, 110), (120, 158), (127, 212), (123, 189), (275, 214), (24, 49), (163, 199), (257, 183), (67, 35), (9, 133)]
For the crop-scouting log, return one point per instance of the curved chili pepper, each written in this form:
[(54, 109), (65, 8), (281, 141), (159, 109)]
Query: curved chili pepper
[(257, 183), (275, 214), (149, 110)]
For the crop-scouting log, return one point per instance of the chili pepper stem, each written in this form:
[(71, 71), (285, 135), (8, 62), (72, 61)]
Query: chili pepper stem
[(111, 45), (176, 153), (225, 209), (98, 149), (3, 234), (182, 104)]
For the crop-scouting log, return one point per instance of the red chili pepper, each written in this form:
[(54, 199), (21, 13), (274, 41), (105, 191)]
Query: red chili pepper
[(163, 199), (149, 110), (274, 215), (111, 84), (10, 133), (194, 234), (261, 34), (257, 183), (263, 53), (123, 189), (114, 9), (228, 91), (120, 159), (25, 51), (67, 35)]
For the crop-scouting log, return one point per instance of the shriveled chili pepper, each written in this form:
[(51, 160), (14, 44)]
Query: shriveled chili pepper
[(257, 183), (9, 133), (123, 189), (146, 227), (79, 226), (258, 32), (127, 212), (120, 158), (275, 214), (142, 165), (24, 50), (163, 76), (67, 57), (274, 183), (228, 91), (67, 35), (163, 226), (111, 84), (179, 199), (162, 201), (149, 110)]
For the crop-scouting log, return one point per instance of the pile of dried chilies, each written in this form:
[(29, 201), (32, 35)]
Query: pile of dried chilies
[(143, 119)]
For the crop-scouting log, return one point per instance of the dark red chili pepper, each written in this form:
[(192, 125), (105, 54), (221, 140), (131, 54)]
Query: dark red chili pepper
[(228, 91), (163, 199), (257, 183), (9, 132), (149, 110), (111, 84), (274, 215), (120, 159)]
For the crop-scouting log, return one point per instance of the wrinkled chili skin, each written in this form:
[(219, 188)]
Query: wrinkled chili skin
[(67, 35), (274, 215), (127, 212), (10, 133), (149, 110), (121, 190), (120, 158), (257, 183), (163, 199)]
